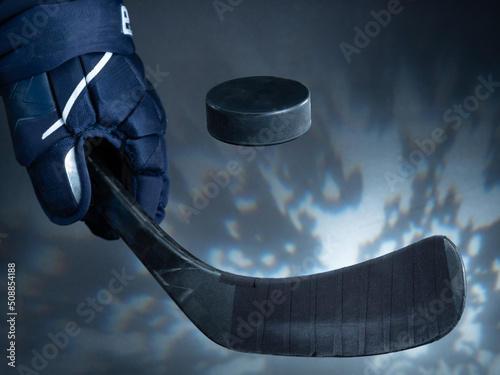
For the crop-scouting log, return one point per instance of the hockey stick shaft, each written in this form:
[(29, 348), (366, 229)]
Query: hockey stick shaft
[(192, 284)]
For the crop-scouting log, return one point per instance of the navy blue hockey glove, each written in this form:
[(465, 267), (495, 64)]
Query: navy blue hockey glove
[(103, 98)]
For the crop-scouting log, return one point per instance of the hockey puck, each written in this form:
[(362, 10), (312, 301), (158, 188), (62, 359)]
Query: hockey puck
[(258, 111)]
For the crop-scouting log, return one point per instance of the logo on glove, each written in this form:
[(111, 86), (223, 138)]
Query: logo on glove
[(126, 29)]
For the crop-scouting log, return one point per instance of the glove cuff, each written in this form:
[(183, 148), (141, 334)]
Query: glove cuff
[(45, 36)]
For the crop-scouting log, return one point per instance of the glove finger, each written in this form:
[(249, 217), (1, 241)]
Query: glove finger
[(148, 192), (98, 226), (133, 111), (117, 89), (149, 160), (148, 154), (147, 119), (68, 84), (162, 203)]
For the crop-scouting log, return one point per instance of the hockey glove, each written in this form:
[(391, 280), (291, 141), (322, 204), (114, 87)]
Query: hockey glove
[(101, 97)]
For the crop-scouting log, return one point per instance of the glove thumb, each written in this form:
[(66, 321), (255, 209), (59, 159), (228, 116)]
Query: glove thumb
[(62, 182)]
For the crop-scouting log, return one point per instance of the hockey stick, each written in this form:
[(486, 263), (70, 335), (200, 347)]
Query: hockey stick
[(405, 299)]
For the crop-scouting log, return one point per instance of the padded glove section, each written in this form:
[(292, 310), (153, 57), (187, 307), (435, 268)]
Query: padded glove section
[(92, 96)]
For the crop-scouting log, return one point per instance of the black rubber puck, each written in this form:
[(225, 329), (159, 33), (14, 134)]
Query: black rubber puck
[(258, 111)]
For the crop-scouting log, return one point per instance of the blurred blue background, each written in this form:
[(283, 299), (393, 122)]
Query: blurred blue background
[(354, 187)]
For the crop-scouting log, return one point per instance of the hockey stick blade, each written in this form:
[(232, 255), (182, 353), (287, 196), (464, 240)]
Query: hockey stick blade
[(401, 300)]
